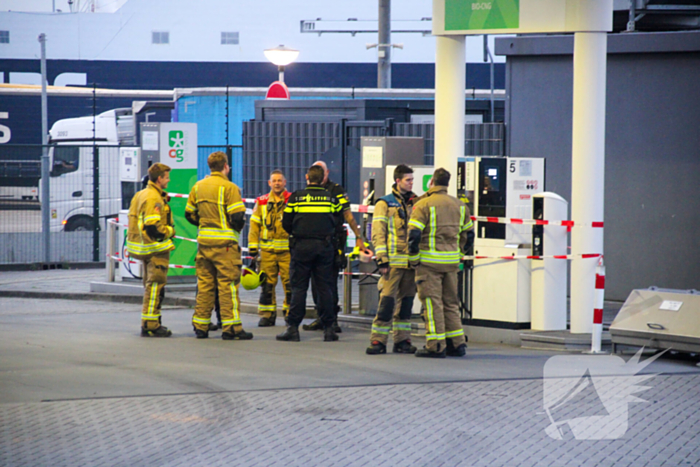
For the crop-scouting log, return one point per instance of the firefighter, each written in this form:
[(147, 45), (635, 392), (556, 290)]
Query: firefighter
[(310, 218), (397, 286), (216, 208), (339, 241), (149, 239), (268, 237), (439, 231)]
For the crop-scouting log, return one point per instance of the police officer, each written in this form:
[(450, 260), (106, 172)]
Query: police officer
[(397, 285), (339, 241), (149, 239), (216, 207), (268, 237), (439, 231), (310, 218)]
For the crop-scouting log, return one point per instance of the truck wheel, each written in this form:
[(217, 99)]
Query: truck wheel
[(79, 224)]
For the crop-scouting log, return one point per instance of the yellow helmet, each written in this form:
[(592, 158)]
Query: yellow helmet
[(251, 280)]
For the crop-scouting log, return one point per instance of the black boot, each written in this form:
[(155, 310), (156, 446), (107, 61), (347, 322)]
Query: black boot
[(315, 326), (404, 347), (376, 348), (290, 335), (162, 331), (336, 328), (459, 351), (425, 353), (238, 336), (201, 334), (329, 334), (214, 327), (267, 322)]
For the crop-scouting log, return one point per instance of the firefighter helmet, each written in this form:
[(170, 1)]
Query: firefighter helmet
[(251, 280)]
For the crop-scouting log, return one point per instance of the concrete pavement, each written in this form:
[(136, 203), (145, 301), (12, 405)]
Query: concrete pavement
[(78, 386)]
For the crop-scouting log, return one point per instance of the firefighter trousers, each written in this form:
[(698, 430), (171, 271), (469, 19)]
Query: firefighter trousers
[(217, 265), (397, 290), (155, 276), (438, 294), (274, 264)]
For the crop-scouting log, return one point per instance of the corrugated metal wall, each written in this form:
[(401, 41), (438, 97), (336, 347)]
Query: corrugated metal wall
[(293, 146), (289, 146)]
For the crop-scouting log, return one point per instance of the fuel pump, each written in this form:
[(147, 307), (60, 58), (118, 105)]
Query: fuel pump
[(501, 289)]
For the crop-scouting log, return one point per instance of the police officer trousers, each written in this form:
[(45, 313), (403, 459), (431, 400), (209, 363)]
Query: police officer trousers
[(217, 265), (311, 258), (397, 290), (274, 264), (334, 290), (155, 276), (438, 293)]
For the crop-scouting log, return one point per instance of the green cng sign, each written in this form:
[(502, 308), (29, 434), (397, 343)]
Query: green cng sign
[(467, 17), (461, 15)]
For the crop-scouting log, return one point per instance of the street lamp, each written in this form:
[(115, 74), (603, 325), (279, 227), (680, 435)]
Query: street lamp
[(281, 56)]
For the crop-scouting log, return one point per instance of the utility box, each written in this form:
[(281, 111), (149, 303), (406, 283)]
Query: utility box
[(379, 155), (659, 319), (549, 275)]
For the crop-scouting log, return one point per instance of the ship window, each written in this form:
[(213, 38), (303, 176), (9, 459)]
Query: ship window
[(229, 38), (161, 37), (5, 37)]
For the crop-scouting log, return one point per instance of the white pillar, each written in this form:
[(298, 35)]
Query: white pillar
[(450, 82), (587, 171)]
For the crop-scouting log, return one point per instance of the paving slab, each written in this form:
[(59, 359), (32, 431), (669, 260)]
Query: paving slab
[(79, 386)]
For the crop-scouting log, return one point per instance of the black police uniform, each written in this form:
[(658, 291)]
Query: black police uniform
[(310, 218), (340, 236)]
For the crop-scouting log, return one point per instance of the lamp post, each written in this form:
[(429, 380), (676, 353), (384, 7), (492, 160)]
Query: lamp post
[(281, 56)]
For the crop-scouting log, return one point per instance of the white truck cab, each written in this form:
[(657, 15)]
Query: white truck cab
[(71, 162)]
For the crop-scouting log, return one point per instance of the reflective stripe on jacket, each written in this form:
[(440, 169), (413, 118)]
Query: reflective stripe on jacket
[(443, 221), (212, 200), (266, 231), (149, 208)]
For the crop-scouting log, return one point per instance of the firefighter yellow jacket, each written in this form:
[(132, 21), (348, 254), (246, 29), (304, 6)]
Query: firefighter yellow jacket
[(150, 223), (266, 231), (441, 223), (390, 228), (210, 205)]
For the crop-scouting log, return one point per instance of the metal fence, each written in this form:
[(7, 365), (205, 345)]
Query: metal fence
[(293, 146), (74, 234), (235, 158)]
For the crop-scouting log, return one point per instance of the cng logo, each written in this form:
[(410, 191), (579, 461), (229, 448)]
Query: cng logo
[(426, 182), (176, 142)]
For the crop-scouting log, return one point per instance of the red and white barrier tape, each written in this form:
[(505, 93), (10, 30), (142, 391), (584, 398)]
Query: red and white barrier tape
[(567, 257), (361, 208), (599, 298), (513, 220)]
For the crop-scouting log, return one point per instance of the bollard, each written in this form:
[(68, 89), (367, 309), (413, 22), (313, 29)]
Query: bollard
[(111, 247), (347, 288), (597, 331)]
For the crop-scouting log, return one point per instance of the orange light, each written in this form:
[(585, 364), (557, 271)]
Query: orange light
[(65, 222)]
